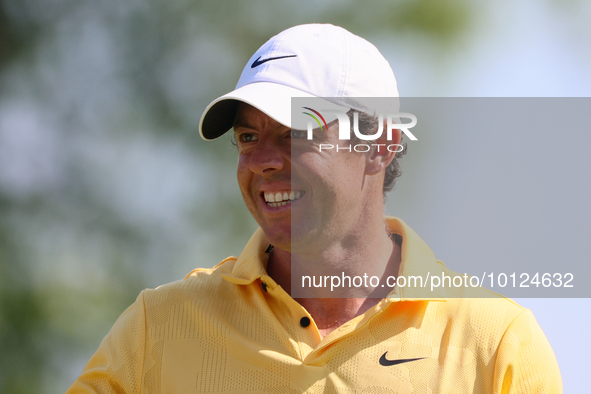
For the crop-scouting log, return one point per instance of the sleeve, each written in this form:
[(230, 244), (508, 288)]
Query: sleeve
[(117, 365), (525, 362)]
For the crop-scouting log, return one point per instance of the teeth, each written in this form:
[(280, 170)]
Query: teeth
[(279, 199)]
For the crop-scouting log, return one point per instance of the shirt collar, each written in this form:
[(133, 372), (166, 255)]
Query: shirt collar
[(252, 262), (417, 260)]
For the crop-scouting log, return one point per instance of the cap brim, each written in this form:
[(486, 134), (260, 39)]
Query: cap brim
[(271, 98)]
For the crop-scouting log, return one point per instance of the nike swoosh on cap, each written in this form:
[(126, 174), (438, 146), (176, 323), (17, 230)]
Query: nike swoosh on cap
[(258, 62), (386, 363)]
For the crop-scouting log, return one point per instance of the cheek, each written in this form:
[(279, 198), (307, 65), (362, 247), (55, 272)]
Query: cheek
[(243, 177), (352, 171), (245, 189), (242, 169)]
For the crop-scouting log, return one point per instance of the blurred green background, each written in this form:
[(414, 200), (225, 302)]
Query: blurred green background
[(105, 185)]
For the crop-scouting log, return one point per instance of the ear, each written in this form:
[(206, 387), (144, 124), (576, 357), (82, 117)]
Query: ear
[(382, 151)]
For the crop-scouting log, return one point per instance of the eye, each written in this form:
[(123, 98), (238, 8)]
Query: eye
[(247, 137), (298, 134)]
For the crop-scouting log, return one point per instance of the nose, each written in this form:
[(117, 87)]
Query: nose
[(267, 157)]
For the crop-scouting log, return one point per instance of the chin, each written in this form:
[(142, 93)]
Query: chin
[(278, 237)]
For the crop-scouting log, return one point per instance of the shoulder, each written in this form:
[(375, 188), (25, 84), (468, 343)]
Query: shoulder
[(497, 332), (480, 314), (470, 296), (199, 285)]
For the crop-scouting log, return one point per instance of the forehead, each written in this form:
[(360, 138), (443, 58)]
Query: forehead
[(250, 117)]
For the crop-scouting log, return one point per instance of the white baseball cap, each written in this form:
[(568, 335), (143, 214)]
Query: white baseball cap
[(315, 60)]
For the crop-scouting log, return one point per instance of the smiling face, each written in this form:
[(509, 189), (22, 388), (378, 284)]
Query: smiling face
[(301, 197)]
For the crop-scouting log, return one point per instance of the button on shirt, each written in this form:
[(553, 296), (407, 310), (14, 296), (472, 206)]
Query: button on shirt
[(231, 328)]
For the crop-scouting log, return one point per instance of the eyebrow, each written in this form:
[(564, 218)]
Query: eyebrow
[(244, 124)]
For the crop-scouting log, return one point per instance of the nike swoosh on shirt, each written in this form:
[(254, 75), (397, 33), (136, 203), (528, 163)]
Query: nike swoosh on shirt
[(258, 62), (386, 363)]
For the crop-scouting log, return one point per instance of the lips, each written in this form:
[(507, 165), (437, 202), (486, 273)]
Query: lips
[(282, 197)]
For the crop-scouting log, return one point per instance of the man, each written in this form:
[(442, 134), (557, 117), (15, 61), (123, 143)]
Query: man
[(236, 327)]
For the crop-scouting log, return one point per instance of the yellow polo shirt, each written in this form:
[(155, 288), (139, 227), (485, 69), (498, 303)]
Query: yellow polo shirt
[(232, 329)]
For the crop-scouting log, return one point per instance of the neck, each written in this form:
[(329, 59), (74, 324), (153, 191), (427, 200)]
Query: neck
[(364, 254)]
